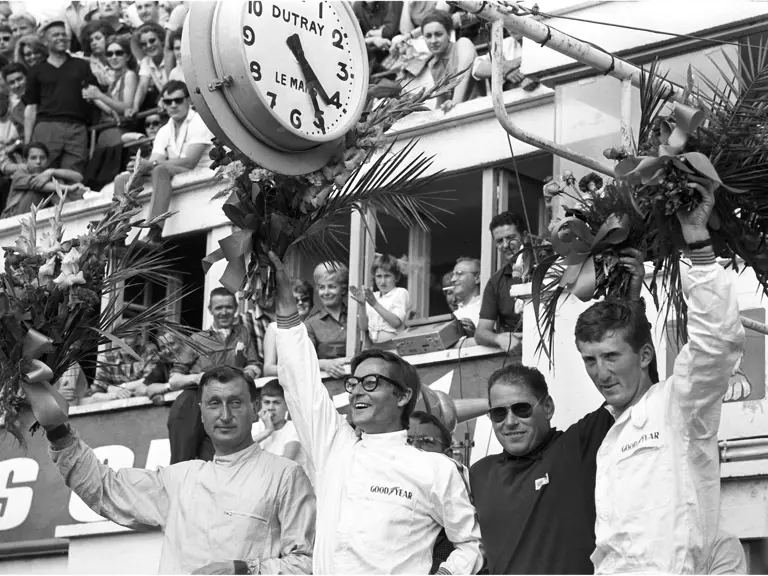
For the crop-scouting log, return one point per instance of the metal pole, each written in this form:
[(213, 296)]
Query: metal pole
[(497, 94), (558, 41), (626, 115)]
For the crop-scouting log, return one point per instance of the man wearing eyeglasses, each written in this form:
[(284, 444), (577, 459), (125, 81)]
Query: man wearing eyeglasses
[(181, 145), (381, 502), (535, 500)]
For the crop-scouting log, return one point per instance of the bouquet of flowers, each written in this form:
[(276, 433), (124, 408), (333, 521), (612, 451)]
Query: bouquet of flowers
[(274, 211), (587, 245), (60, 300), (718, 130)]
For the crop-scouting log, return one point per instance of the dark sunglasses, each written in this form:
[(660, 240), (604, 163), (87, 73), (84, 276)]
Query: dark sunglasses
[(519, 409), (5, 38), (148, 43), (153, 124), (369, 382), (303, 300), (177, 101), (111, 53)]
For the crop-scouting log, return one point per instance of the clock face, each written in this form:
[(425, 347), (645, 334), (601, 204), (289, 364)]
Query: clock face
[(307, 62)]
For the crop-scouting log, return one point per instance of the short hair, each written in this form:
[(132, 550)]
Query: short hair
[(305, 289), (36, 144), (14, 68), (272, 388), (402, 372), (175, 35), (388, 263), (22, 16), (226, 374), (515, 373), (615, 315), (124, 42), (448, 279), (5, 28), (221, 291), (439, 16), (89, 29), (475, 261), (152, 27), (336, 269), (508, 218), (428, 418), (173, 86)]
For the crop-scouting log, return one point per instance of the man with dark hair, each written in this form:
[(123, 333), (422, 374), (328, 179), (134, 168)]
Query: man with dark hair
[(274, 432), (180, 146), (247, 512), (426, 432), (15, 75), (404, 496), (501, 319), (658, 471), (225, 344), (56, 112), (535, 500)]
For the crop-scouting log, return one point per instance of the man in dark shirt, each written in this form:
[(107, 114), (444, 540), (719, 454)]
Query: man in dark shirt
[(536, 500), (501, 320), (56, 112)]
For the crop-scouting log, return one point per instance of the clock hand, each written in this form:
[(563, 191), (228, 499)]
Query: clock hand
[(294, 44)]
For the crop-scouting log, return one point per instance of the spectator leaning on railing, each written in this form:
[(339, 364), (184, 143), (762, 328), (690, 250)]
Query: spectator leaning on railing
[(56, 112), (180, 146), (32, 184)]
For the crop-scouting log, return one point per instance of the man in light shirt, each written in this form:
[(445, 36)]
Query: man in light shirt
[(466, 291), (381, 502), (180, 146), (247, 512), (657, 493), (274, 432)]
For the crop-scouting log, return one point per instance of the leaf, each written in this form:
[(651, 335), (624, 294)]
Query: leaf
[(119, 343)]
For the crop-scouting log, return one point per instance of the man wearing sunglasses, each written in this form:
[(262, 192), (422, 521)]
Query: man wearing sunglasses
[(181, 145), (658, 471), (535, 500), (381, 502)]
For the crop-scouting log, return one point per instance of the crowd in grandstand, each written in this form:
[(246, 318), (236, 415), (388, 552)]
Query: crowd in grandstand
[(84, 87)]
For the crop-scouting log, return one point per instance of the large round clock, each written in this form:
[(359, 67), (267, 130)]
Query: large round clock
[(281, 81)]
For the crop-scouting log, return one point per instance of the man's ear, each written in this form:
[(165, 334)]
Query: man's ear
[(549, 407), (646, 355), (405, 397)]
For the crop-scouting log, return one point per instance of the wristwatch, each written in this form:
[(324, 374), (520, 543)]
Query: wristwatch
[(154, 164), (61, 431)]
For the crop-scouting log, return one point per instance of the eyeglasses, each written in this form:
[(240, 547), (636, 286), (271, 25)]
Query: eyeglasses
[(369, 382), (303, 300), (114, 53), (148, 43), (461, 273), (5, 38), (177, 101), (153, 124), (519, 409)]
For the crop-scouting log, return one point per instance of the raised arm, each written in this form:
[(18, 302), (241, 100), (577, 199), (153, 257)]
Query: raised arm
[(715, 333), (312, 411), (130, 497), (455, 512)]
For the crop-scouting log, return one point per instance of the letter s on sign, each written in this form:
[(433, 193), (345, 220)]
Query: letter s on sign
[(15, 502)]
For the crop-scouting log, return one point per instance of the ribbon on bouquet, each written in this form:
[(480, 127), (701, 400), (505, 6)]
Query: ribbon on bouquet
[(574, 241), (235, 247), (674, 135), (48, 406)]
